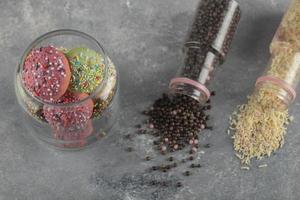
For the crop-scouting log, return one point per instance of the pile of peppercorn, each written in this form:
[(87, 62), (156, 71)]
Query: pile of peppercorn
[(176, 122)]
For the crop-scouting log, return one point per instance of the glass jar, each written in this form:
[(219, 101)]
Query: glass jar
[(283, 72), (206, 47), (81, 118)]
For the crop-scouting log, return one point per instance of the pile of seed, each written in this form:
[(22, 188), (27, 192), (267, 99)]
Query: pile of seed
[(176, 122), (259, 126)]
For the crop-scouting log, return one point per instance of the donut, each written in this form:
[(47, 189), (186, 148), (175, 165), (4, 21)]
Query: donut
[(87, 67), (71, 117), (46, 73)]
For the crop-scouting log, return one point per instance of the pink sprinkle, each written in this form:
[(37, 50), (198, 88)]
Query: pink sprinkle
[(191, 142), (196, 141), (194, 149), (202, 126), (151, 126), (166, 140), (176, 146)]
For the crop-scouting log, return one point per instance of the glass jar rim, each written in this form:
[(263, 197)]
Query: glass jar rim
[(55, 33), (279, 83)]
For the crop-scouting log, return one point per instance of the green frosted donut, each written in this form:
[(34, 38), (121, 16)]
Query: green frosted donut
[(87, 69)]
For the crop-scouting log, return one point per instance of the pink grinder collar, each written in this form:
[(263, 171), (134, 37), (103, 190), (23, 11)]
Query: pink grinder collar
[(279, 82), (188, 81)]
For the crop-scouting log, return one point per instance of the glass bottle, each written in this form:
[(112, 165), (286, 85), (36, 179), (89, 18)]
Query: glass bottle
[(207, 45), (282, 75)]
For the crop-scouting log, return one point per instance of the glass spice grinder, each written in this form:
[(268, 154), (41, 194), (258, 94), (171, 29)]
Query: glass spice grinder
[(282, 75), (206, 47)]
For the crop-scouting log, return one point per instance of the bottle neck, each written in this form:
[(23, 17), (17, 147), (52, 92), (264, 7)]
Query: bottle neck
[(192, 79), (188, 87), (278, 88)]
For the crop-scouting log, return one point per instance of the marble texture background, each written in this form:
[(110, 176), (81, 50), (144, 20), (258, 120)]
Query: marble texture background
[(144, 39)]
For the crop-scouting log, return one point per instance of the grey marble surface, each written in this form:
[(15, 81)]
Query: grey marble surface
[(144, 39)]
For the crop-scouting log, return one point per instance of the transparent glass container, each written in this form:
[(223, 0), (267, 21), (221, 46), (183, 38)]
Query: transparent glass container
[(206, 48), (77, 124), (283, 72)]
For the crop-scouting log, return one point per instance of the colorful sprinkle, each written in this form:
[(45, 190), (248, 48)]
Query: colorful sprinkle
[(87, 67)]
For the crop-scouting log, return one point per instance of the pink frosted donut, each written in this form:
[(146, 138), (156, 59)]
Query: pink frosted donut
[(46, 73), (69, 118)]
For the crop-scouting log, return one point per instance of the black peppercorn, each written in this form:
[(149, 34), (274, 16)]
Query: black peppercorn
[(170, 159), (191, 158), (138, 126), (148, 158), (198, 166), (207, 145), (179, 184), (153, 183), (187, 173)]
